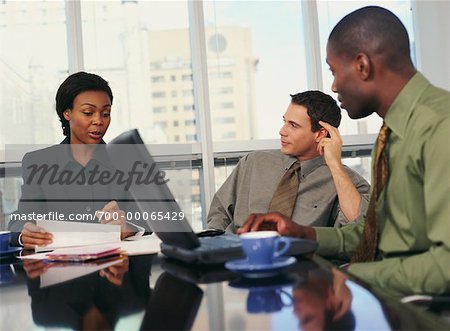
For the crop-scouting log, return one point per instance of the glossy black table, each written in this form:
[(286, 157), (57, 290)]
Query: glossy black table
[(149, 292)]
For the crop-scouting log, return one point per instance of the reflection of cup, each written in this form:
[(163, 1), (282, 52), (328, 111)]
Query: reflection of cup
[(6, 273), (4, 240), (262, 247), (262, 300)]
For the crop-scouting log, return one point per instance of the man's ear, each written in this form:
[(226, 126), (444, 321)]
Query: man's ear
[(363, 66), (66, 114), (322, 133)]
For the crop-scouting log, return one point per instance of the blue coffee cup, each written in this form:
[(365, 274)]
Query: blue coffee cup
[(6, 273), (267, 300), (5, 237), (263, 247)]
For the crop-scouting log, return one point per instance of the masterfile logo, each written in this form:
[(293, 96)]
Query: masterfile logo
[(140, 173)]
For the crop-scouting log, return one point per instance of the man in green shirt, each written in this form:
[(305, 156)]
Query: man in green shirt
[(369, 56)]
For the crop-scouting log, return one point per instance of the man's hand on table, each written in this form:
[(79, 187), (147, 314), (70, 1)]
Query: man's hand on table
[(277, 222)]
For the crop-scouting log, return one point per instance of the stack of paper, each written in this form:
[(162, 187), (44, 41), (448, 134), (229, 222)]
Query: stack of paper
[(62, 272), (143, 245), (70, 234), (80, 254)]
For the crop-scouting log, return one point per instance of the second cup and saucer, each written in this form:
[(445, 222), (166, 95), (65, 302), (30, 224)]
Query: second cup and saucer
[(264, 255), (268, 294), (7, 251), (260, 270)]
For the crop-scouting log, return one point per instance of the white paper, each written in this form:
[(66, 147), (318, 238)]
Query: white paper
[(85, 250), (59, 273), (69, 234), (144, 245)]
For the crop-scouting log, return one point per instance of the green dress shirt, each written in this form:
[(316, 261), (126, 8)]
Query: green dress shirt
[(413, 212)]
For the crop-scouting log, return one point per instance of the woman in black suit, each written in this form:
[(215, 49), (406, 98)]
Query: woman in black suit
[(62, 178)]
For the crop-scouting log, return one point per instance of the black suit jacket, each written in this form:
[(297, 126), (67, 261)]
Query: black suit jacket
[(55, 183)]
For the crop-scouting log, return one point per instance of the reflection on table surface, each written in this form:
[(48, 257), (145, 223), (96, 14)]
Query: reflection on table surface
[(148, 292)]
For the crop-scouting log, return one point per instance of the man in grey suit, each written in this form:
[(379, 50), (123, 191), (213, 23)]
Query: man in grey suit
[(329, 194)]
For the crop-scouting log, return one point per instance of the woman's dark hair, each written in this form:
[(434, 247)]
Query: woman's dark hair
[(320, 107), (74, 85)]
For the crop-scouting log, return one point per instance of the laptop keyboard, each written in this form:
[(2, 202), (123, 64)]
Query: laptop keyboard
[(225, 241)]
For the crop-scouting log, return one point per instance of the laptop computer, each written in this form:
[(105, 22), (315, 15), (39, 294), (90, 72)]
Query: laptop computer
[(178, 239)]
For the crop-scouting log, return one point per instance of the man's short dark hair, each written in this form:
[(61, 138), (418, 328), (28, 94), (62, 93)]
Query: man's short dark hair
[(74, 85), (320, 107), (375, 31)]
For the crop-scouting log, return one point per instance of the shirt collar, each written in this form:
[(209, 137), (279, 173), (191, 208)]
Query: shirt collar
[(65, 158), (307, 166), (400, 112)]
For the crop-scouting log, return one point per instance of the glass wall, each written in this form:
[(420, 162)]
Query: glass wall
[(256, 58), (142, 49), (330, 12), (256, 55), (33, 61)]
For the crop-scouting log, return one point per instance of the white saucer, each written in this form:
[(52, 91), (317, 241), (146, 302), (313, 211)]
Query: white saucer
[(260, 270), (10, 251)]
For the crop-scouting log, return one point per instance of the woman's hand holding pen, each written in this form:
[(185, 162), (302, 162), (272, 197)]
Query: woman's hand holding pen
[(112, 214)]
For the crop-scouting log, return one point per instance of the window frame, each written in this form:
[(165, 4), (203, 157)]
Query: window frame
[(205, 150)]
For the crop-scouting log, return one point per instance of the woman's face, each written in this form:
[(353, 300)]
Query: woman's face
[(89, 118)]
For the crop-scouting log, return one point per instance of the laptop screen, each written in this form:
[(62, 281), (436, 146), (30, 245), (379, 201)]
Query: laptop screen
[(150, 191)]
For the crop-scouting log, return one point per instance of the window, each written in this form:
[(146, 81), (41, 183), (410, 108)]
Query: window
[(188, 107), (159, 109), (158, 79), (161, 124), (191, 137), (225, 120), (33, 62), (229, 135), (133, 46), (221, 75), (226, 105), (188, 93), (330, 12), (253, 65), (222, 90), (186, 78), (159, 94), (142, 48)]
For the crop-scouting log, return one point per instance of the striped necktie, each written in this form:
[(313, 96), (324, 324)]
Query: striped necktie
[(366, 249), (283, 200)]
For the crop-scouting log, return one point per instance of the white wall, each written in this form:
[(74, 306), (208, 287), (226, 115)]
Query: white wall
[(432, 31)]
